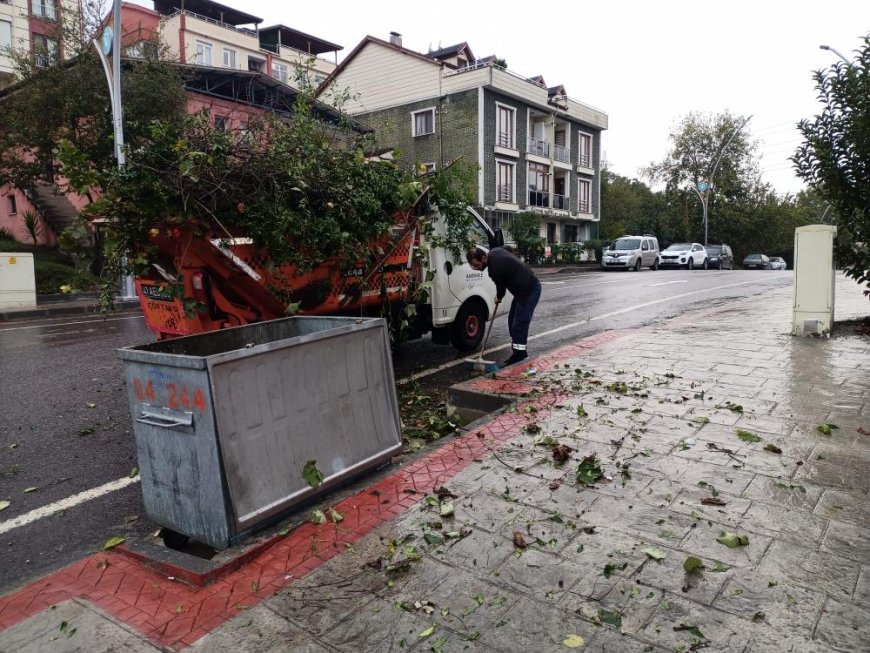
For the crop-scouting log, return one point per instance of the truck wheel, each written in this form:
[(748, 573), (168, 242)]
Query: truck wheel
[(637, 265), (469, 326), (655, 266)]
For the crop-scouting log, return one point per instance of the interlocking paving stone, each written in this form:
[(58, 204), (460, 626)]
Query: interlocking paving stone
[(786, 493), (721, 631), (262, 631), (844, 626), (809, 568), (848, 540)]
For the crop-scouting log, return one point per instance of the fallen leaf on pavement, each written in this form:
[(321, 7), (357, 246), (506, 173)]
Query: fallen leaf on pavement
[(713, 501), (91, 405), (573, 641), (5, 504), (428, 631), (589, 471), (28, 490), (335, 516), (519, 541), (746, 436), (311, 474), (732, 540), (609, 568), (561, 454), (134, 472), (446, 509), (443, 493), (690, 629), (112, 542), (720, 567), (317, 517), (610, 617), (653, 552), (693, 564), (772, 448), (826, 429)]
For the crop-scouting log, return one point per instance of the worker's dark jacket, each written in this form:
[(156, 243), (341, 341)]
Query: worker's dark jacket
[(509, 273)]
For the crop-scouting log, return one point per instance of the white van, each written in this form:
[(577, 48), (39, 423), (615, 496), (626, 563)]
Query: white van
[(462, 299), (632, 253)]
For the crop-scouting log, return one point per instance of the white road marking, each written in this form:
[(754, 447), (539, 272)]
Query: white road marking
[(65, 504), (51, 326), (666, 283), (551, 283)]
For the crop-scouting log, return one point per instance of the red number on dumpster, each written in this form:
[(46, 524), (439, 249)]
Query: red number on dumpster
[(185, 397), (173, 398), (137, 389), (199, 400), (149, 391)]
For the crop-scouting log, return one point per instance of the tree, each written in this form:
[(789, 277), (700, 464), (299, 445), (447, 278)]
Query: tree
[(701, 145), (834, 158), (629, 206), (525, 229)]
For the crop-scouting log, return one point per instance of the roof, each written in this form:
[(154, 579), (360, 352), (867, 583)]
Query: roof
[(283, 35), (359, 48), (258, 90), (207, 9), (452, 51)]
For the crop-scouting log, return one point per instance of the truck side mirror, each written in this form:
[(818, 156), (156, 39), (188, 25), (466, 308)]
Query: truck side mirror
[(497, 238)]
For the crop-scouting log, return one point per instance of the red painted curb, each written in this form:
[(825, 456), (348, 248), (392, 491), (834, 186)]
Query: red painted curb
[(176, 615)]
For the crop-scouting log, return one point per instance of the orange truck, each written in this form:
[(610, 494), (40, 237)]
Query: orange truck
[(199, 283)]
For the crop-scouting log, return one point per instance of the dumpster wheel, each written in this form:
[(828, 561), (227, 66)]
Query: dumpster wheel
[(173, 540)]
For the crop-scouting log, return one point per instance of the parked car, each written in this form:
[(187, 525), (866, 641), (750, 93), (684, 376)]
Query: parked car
[(688, 255), (777, 263), (757, 262), (632, 253), (719, 257)]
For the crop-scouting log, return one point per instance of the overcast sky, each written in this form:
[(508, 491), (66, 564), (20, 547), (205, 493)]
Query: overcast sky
[(644, 63)]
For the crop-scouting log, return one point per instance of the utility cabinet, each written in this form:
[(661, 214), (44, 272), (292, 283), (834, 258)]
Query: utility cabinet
[(813, 280), (17, 280)]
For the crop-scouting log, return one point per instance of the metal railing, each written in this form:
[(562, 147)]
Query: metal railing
[(504, 193), (505, 139), (561, 202), (539, 198), (562, 153), (42, 60), (539, 147), (583, 207), (584, 160), (206, 19)]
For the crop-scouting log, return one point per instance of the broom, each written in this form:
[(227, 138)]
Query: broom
[(479, 364)]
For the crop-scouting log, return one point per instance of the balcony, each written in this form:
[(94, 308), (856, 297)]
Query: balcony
[(561, 202), (539, 147), (562, 153), (539, 198), (44, 10)]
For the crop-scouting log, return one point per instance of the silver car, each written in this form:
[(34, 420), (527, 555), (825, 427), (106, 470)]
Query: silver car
[(632, 253), (777, 263)]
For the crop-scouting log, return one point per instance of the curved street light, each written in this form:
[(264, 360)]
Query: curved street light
[(836, 52), (703, 187)]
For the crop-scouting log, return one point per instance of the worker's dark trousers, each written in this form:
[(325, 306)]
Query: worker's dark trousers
[(520, 317)]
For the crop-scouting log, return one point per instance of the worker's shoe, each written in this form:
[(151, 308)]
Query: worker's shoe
[(516, 357)]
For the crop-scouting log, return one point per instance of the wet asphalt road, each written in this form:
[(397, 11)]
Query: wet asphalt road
[(65, 426)]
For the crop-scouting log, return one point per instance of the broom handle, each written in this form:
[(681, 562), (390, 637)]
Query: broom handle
[(489, 330)]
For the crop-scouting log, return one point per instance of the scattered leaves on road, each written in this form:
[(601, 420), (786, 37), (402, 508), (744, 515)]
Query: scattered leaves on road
[(311, 474), (317, 517), (91, 405), (713, 501), (335, 516), (5, 504), (720, 567), (28, 490), (772, 448), (427, 632), (732, 540), (610, 617), (694, 630), (610, 568), (747, 436), (112, 542), (134, 472), (519, 540)]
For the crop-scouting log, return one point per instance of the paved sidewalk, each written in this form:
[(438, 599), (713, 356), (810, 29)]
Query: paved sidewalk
[(718, 425)]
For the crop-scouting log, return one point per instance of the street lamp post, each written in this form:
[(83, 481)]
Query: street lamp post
[(836, 52), (703, 187)]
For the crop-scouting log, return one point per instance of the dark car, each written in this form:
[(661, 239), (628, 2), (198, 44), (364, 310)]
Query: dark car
[(719, 257), (757, 262)]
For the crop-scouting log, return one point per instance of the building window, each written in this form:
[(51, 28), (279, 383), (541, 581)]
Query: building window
[(11, 205), (44, 50), (279, 72), (256, 65), (204, 53), (461, 63), (220, 123), (45, 9), (584, 154), (229, 58), (584, 191), (505, 175), (539, 185), (426, 168), (5, 36), (423, 122), (506, 126)]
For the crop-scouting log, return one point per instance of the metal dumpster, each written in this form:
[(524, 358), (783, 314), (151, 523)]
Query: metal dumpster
[(225, 421)]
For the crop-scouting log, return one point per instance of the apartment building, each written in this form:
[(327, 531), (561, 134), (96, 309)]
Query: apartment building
[(210, 34), (536, 148), (32, 26)]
